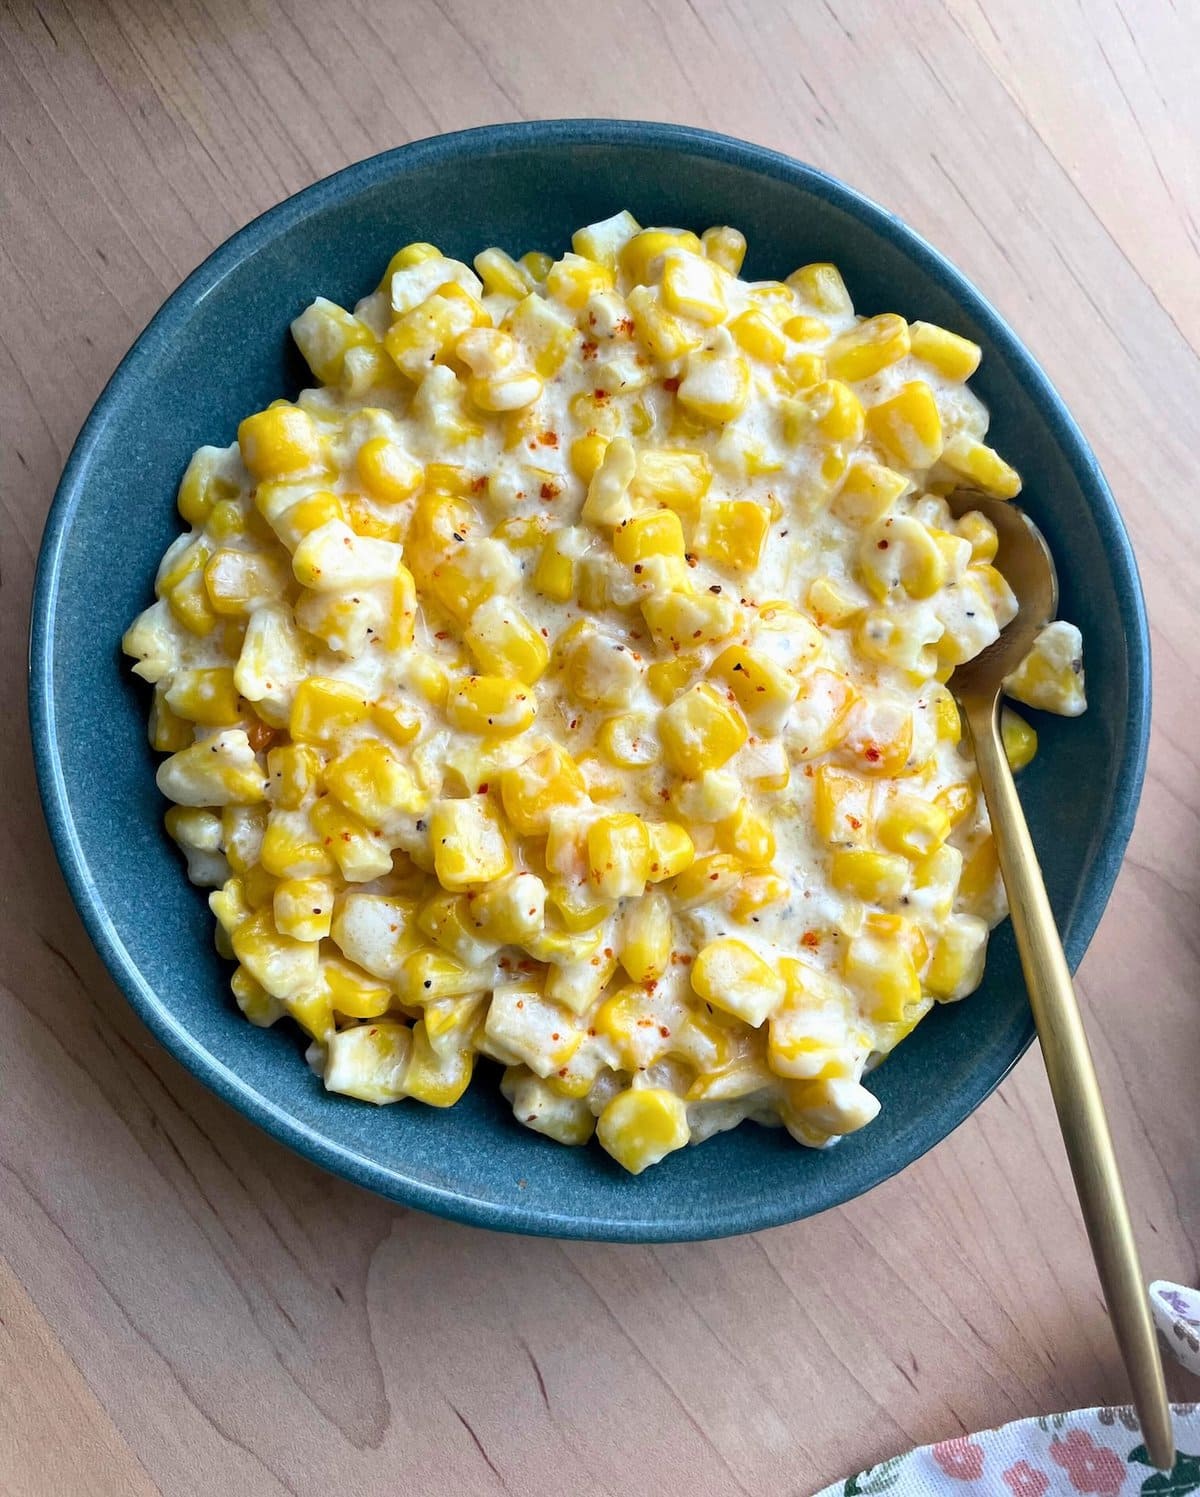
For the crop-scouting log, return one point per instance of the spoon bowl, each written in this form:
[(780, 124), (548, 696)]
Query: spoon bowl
[(1023, 559)]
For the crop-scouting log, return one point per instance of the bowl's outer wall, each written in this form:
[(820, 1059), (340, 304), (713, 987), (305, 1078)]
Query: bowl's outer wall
[(220, 349)]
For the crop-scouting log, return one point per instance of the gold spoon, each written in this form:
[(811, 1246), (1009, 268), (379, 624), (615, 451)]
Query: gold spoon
[(1024, 559)]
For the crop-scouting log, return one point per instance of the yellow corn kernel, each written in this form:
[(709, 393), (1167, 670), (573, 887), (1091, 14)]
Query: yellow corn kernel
[(404, 259), (946, 717), (554, 575), (820, 712), (830, 602), (747, 836), (437, 1080), (285, 968), (956, 966), (281, 440), (823, 287), (398, 719), (757, 891), (683, 621), (168, 732), (667, 678), (386, 471), (491, 706), (657, 534), (732, 532), (601, 672), (957, 801), (673, 477), (354, 992), (869, 347), (899, 552), (292, 849), (227, 519), (255, 1002), (510, 911), (371, 782), (502, 275), (323, 709), (603, 241), (429, 331), (537, 263), (706, 879), (587, 453), (868, 492), (504, 642), (357, 849), (828, 412), (203, 486), (715, 385), (293, 774), (574, 278), (757, 335), (700, 731), (951, 355), (627, 740), (878, 877), (764, 691), (644, 940), (546, 782), (1019, 738), (981, 534), (325, 333), (725, 247), (640, 258), (618, 851), (912, 826), (671, 850), (207, 696), (879, 964), (691, 287), (521, 532), (188, 601), (907, 426), (469, 844), (807, 330), (236, 581), (641, 1127), (732, 977), (659, 331), (983, 466), (607, 501), (303, 908), (839, 804)]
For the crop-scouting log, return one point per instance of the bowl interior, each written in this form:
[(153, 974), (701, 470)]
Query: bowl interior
[(220, 348)]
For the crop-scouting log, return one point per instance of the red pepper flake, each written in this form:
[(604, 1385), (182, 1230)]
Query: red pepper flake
[(479, 484), (483, 789), (591, 1034), (873, 754), (625, 326), (672, 384), (855, 822), (549, 439), (811, 939), (600, 396), (645, 1023), (882, 545), (550, 490), (520, 1003), (260, 736), (442, 634), (589, 349), (556, 1035), (664, 1031), (564, 1072)]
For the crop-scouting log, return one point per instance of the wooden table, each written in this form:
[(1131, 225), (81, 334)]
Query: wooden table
[(187, 1307)]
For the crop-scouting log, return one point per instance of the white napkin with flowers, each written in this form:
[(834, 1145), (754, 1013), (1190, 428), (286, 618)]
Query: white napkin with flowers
[(1089, 1451)]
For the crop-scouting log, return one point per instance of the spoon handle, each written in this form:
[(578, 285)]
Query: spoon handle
[(1073, 1084)]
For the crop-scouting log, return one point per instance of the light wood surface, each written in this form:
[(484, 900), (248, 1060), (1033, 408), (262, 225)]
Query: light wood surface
[(188, 1308)]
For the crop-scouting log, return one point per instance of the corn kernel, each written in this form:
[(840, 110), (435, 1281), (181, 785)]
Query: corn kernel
[(554, 576), (1019, 738), (729, 975), (207, 696), (899, 552), (491, 706), (956, 966), (982, 466), (691, 287), (822, 285), (683, 621), (828, 412), (283, 967), (981, 534), (640, 1128), (547, 781), (510, 911), (601, 672), (280, 440), (671, 850), (757, 335), (879, 964), (707, 878), (502, 275), (303, 908), (715, 385), (372, 782), (386, 471), (912, 826), (908, 426), (644, 941), (574, 278), (764, 691), (203, 486), (357, 849), (640, 259), (607, 501), (627, 741), (671, 476), (877, 877), (864, 350), (323, 709), (469, 843), (955, 357), (657, 534), (587, 453), (437, 1080), (700, 731), (758, 891), (604, 241), (725, 247), (732, 532), (668, 678), (618, 849), (747, 836), (504, 642)]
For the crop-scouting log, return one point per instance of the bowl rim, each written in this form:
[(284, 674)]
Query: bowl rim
[(172, 314)]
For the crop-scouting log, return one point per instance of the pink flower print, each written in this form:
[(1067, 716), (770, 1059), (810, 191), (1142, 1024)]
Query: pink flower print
[(1024, 1480), (959, 1458), (1091, 1467)]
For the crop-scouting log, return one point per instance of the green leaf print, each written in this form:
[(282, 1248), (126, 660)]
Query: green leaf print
[(874, 1478), (1183, 1479)]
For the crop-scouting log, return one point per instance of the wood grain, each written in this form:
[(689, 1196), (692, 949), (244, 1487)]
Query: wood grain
[(190, 1309)]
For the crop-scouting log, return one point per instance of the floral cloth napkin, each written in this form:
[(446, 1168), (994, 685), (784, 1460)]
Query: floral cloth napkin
[(1096, 1451)]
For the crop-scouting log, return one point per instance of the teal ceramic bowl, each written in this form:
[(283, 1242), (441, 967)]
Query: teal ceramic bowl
[(220, 348)]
